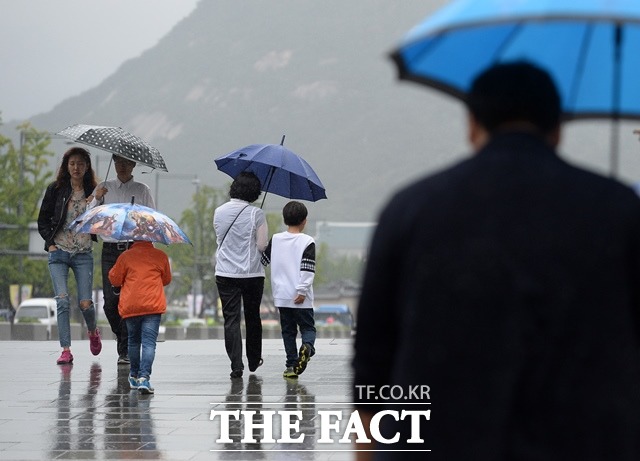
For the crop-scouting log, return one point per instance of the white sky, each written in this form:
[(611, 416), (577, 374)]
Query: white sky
[(54, 49)]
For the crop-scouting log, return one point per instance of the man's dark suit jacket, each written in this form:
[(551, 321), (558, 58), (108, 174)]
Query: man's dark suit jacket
[(510, 285)]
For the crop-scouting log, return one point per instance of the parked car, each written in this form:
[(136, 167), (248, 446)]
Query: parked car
[(6, 315), (175, 315), (333, 314), (41, 309)]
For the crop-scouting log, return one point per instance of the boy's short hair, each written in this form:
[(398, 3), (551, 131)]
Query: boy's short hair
[(294, 213)]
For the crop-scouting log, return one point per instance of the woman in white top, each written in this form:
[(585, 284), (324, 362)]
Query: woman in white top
[(241, 235)]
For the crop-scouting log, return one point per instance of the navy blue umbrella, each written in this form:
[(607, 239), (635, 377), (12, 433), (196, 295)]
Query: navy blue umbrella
[(280, 171), (590, 47)]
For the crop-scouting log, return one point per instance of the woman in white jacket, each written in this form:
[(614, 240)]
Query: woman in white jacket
[(242, 235)]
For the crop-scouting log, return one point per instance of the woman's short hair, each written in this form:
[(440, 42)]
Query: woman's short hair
[(245, 187)]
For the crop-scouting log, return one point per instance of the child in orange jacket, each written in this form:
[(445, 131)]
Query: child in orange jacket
[(141, 273)]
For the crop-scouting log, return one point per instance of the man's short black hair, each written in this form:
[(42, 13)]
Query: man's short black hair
[(245, 187), (294, 213), (515, 92)]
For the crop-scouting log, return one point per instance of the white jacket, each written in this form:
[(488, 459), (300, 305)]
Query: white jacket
[(292, 273), (238, 256)]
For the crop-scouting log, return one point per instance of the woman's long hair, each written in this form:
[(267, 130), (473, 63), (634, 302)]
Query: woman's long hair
[(64, 178)]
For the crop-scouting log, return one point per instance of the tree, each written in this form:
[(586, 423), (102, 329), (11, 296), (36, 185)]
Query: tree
[(194, 263), (337, 270), (25, 175)]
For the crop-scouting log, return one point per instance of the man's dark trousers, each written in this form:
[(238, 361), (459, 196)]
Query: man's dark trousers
[(110, 253)]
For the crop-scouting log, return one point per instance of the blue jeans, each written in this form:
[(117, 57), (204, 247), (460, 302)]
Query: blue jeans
[(143, 334), (81, 264), (292, 318)]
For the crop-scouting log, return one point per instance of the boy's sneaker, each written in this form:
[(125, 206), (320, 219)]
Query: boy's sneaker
[(289, 373), (304, 355), (133, 382), (123, 359), (65, 357), (95, 344), (144, 386)]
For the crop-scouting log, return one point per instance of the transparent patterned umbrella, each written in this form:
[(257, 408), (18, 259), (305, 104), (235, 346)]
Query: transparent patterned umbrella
[(129, 221), (117, 141)]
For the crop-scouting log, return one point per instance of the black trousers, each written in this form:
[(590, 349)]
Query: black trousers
[(236, 293), (110, 253)]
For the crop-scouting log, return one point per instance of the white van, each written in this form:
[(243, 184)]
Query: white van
[(43, 309)]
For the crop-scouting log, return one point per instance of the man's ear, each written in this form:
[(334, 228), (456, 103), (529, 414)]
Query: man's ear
[(477, 135), (555, 136)]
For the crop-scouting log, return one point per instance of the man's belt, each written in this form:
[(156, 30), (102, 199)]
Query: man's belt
[(118, 246)]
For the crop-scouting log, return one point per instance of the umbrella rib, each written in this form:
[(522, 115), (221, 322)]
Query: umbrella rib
[(515, 31), (398, 58), (582, 60)]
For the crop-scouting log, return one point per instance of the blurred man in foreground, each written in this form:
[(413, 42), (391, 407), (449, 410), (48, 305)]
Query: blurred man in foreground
[(509, 284)]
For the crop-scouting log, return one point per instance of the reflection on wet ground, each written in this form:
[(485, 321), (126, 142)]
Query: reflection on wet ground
[(86, 410)]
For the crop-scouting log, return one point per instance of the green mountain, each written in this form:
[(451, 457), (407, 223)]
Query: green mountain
[(239, 72), (242, 72)]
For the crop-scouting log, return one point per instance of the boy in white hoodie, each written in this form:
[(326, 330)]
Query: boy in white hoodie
[(292, 255)]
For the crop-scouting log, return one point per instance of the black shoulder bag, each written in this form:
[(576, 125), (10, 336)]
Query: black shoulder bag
[(230, 226)]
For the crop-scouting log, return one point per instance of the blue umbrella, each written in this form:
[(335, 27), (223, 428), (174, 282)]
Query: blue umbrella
[(588, 46), (280, 171)]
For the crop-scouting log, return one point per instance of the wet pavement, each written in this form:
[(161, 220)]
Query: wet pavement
[(86, 411)]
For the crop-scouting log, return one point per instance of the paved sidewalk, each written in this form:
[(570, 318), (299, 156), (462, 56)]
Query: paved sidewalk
[(86, 411)]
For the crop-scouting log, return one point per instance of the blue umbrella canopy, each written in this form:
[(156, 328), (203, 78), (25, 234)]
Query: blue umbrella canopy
[(589, 46), (281, 171)]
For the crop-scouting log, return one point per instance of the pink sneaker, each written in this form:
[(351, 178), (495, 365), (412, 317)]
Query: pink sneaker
[(66, 357), (95, 344)]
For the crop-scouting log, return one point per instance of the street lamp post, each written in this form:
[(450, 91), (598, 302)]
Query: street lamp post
[(196, 286), (197, 282), (21, 175)]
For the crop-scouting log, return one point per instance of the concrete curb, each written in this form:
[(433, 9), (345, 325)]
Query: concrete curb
[(38, 332)]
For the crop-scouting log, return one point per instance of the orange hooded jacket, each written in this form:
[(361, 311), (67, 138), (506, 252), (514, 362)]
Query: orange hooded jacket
[(142, 271)]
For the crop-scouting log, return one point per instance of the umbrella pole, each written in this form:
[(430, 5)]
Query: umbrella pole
[(615, 122), (270, 176), (108, 168), (263, 198), (271, 170), (614, 143)]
